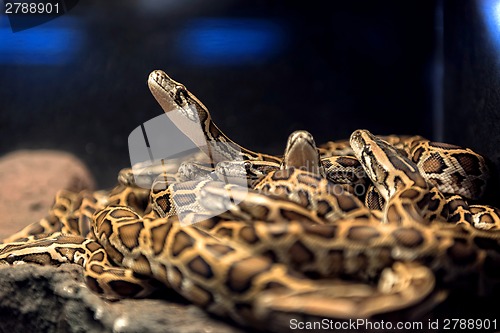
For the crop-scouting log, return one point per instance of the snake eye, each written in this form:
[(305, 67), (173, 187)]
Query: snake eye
[(366, 149), (247, 165), (180, 95)]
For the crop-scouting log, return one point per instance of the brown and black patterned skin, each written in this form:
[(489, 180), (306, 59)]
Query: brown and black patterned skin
[(298, 242)]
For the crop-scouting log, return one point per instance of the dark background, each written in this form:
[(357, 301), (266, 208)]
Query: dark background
[(333, 70), (264, 69)]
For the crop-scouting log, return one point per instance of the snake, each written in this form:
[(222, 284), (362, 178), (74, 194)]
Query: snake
[(293, 240)]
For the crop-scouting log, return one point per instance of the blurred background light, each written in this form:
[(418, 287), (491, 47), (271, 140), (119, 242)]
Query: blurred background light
[(491, 12), (224, 41), (54, 43)]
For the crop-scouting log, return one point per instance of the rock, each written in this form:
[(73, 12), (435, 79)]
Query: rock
[(30, 179), (55, 299), (37, 298)]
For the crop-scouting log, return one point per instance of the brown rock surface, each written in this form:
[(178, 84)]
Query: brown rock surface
[(48, 299), (30, 179), (37, 298)]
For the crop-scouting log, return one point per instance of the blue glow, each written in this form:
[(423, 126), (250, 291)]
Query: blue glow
[(222, 41), (491, 13), (38, 45)]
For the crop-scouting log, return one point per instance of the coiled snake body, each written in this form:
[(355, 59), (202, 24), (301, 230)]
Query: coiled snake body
[(296, 240)]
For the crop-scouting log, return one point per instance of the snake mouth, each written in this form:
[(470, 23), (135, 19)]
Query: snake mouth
[(301, 152)]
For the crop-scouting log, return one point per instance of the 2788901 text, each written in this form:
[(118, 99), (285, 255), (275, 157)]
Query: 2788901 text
[(31, 8)]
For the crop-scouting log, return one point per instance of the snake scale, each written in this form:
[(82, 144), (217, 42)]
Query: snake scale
[(347, 229)]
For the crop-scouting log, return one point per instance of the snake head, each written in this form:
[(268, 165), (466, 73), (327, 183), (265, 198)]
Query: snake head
[(169, 93), (384, 164), (361, 141), (364, 146), (173, 96), (301, 153)]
